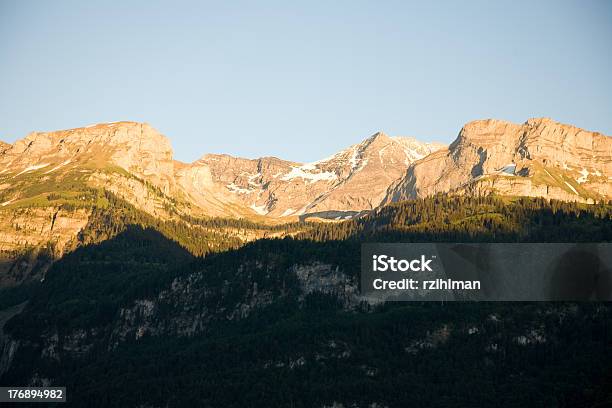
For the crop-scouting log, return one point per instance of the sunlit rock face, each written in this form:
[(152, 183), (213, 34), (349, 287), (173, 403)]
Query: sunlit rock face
[(540, 158), (353, 179), (135, 147)]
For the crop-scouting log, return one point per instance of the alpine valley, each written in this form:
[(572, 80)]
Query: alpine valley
[(136, 280)]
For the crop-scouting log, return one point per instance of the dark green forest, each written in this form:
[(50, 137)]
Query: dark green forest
[(115, 320)]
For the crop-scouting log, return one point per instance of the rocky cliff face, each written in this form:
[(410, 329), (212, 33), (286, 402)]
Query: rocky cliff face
[(28, 233), (134, 147), (4, 146), (352, 180), (540, 158)]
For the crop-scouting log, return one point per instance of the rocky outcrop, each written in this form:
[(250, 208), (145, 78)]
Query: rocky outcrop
[(134, 147), (8, 346), (188, 300), (540, 158), (352, 180), (4, 146), (30, 227), (28, 233)]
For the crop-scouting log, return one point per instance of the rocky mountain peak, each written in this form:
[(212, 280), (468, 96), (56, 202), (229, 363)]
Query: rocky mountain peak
[(540, 157), (378, 136), (349, 181), (542, 121), (487, 131), (134, 147), (101, 138)]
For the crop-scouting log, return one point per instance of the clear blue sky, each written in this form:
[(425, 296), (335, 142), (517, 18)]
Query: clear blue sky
[(301, 80)]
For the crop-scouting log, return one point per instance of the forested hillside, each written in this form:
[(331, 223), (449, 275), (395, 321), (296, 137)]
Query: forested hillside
[(484, 218), (139, 317)]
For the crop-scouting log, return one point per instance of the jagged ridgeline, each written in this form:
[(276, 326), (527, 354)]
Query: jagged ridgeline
[(539, 158), (135, 318)]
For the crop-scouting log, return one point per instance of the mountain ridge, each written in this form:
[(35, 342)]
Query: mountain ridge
[(217, 184), (51, 183), (539, 158), (378, 170)]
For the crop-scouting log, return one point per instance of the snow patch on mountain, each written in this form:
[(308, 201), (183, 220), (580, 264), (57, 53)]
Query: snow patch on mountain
[(32, 168), (353, 160), (58, 166), (252, 179), (259, 209), (509, 169), (381, 153), (413, 149), (300, 172), (288, 212), (584, 175)]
